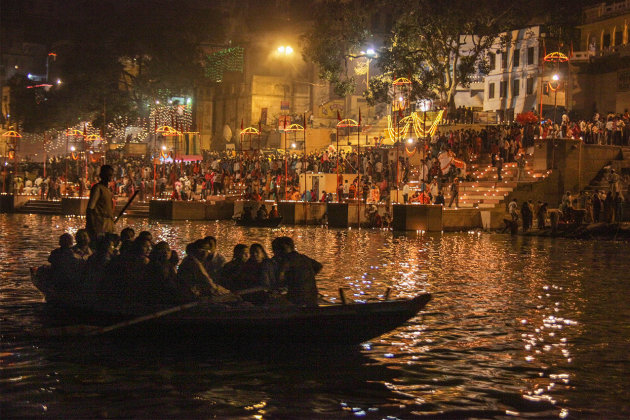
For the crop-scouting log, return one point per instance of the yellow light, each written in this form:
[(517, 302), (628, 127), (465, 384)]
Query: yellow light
[(281, 50), (288, 50)]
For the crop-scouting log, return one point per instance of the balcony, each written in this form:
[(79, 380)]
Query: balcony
[(602, 11)]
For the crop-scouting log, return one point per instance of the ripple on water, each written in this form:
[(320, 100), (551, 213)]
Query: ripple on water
[(530, 327)]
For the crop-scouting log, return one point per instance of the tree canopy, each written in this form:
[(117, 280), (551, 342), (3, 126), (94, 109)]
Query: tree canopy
[(437, 45), (114, 61)]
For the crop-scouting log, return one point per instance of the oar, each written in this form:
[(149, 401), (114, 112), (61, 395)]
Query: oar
[(92, 330), (126, 205)]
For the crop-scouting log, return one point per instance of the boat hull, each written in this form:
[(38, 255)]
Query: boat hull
[(210, 323)]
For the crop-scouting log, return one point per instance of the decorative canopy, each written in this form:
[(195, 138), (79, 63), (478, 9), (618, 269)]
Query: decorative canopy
[(250, 130), (167, 131), (347, 123), (556, 57), (294, 127), (12, 134)]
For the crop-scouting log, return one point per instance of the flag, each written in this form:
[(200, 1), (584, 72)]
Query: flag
[(359, 116), (84, 130), (338, 115), (571, 53), (305, 121), (285, 121), (241, 124)]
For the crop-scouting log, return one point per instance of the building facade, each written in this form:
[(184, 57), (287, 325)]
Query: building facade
[(600, 70), (512, 85)]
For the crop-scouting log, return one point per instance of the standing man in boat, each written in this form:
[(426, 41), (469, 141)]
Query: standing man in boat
[(100, 208)]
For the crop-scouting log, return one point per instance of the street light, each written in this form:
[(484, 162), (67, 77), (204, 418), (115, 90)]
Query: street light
[(285, 50), (424, 107), (369, 55), (555, 78)]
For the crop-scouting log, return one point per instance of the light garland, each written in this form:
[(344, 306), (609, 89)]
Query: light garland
[(417, 123)]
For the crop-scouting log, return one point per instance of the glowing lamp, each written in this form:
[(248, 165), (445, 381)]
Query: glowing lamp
[(556, 77)]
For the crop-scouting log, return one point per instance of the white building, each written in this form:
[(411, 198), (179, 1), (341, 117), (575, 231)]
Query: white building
[(512, 86)]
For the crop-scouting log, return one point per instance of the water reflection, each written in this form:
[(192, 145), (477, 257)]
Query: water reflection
[(518, 326)]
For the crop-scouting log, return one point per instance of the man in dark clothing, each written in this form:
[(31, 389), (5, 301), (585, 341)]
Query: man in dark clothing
[(597, 206), (542, 215), (296, 272), (65, 265), (439, 199), (454, 193), (526, 214)]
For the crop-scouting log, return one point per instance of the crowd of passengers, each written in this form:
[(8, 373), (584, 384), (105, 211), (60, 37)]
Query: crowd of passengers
[(130, 269)]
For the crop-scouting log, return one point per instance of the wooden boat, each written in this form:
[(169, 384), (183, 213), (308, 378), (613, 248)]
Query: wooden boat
[(271, 222), (207, 322)]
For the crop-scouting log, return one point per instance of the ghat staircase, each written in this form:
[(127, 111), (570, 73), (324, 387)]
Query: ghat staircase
[(35, 206), (486, 191)]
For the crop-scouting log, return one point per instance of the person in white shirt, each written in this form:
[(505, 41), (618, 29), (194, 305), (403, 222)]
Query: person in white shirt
[(513, 210), (405, 192)]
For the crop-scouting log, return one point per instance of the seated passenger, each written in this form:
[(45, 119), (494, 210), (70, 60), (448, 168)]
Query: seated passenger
[(274, 212), (146, 235), (213, 261), (230, 274), (247, 214), (82, 248), (261, 214), (126, 273), (65, 266), (192, 275), (126, 239), (160, 285), (259, 269), (95, 285), (296, 272)]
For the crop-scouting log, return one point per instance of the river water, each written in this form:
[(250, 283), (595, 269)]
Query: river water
[(518, 327)]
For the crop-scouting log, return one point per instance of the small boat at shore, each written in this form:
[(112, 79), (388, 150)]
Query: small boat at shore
[(270, 222), (210, 322)]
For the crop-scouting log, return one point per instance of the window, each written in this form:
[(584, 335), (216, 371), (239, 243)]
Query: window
[(618, 38), (517, 58), (606, 42), (503, 89), (530, 86), (492, 61), (491, 91), (504, 58), (530, 56), (516, 87)]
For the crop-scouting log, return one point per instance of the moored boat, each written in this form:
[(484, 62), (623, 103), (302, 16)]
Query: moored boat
[(209, 322)]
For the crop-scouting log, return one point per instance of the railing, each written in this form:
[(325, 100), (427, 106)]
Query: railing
[(603, 10)]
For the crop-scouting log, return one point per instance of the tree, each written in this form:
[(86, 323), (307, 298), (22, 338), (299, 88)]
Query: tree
[(116, 59), (339, 31), (437, 45)]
